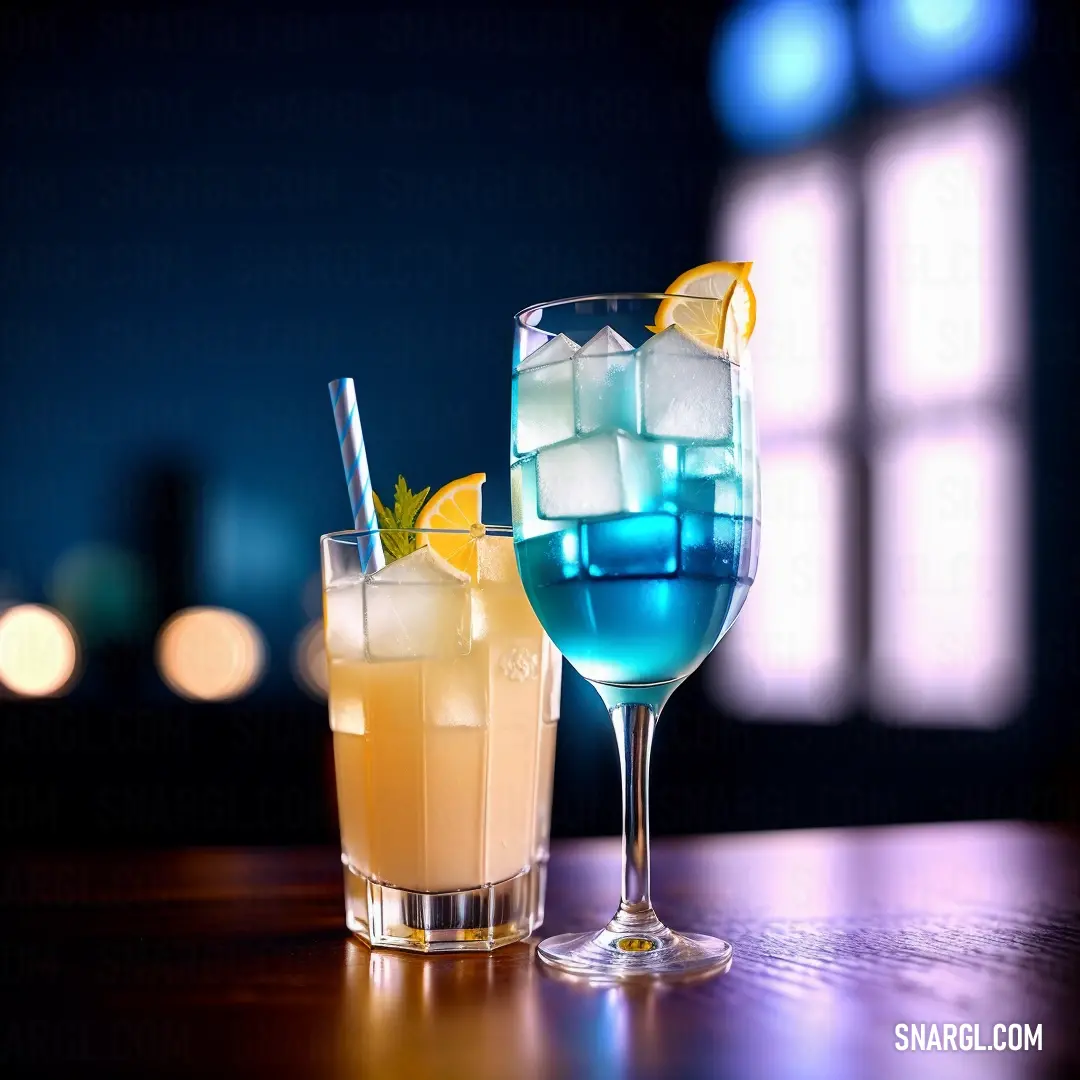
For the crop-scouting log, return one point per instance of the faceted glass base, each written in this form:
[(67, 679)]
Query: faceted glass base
[(613, 955), (468, 920)]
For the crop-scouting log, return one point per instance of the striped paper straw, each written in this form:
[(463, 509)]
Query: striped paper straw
[(354, 458)]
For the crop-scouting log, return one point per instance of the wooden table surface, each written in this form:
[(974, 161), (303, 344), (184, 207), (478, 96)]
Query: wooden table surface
[(210, 963)]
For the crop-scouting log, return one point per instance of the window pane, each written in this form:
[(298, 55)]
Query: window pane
[(950, 576), (946, 304), (786, 654), (793, 220)]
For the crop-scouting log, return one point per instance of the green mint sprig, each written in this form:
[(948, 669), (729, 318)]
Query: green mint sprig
[(407, 507)]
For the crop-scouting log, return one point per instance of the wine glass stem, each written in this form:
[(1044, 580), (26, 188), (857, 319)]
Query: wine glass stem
[(634, 726)]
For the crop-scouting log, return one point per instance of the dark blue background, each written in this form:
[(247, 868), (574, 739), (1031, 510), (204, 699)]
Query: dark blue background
[(208, 217)]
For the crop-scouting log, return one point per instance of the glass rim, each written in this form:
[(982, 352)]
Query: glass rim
[(342, 536), (520, 317)]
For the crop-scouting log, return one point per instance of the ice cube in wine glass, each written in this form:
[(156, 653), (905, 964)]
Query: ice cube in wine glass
[(685, 389), (605, 384), (544, 396), (602, 475)]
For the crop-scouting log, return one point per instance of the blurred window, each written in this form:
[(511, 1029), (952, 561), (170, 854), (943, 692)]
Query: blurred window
[(890, 351), (787, 655)]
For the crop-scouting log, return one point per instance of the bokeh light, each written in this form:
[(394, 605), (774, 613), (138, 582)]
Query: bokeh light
[(103, 590), (210, 654), (920, 47), (39, 653), (782, 70), (309, 661)]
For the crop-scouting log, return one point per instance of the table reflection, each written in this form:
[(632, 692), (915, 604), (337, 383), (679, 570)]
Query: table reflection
[(611, 1030), (469, 1015), (838, 937), (496, 1016)]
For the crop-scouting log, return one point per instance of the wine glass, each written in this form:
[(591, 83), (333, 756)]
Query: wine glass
[(635, 483)]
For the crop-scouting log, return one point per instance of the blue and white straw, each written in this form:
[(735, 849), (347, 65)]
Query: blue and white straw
[(354, 458)]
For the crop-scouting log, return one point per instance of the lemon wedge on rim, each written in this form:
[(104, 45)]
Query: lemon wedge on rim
[(456, 506), (691, 303)]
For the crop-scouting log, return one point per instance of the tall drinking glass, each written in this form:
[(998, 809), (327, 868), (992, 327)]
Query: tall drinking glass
[(444, 702), (634, 478)]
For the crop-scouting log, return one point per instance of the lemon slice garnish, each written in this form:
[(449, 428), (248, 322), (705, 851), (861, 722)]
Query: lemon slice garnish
[(691, 304), (455, 506)]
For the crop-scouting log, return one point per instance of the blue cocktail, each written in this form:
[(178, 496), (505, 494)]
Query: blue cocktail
[(636, 527)]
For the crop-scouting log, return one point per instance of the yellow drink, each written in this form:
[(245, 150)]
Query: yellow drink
[(444, 698)]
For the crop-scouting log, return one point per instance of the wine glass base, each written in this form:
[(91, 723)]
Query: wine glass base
[(606, 956)]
